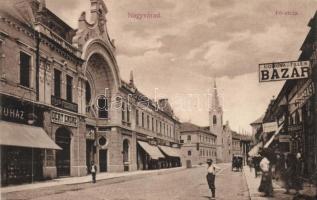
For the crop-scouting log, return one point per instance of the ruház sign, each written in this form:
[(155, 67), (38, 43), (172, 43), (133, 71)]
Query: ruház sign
[(284, 71)]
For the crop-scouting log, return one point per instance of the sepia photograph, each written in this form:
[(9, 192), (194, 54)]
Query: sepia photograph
[(158, 99)]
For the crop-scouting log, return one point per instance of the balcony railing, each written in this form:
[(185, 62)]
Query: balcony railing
[(61, 103)]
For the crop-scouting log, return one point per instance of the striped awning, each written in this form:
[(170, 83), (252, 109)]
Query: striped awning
[(153, 151), (14, 134)]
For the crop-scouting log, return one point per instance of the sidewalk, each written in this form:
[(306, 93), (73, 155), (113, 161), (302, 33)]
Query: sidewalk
[(253, 184), (84, 179)]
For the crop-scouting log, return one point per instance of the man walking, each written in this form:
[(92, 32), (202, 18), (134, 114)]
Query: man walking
[(211, 175)]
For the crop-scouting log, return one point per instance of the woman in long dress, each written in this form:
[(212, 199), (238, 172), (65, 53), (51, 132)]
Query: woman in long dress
[(266, 179)]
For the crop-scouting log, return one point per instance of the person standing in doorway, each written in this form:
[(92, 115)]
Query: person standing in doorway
[(211, 175), (93, 170)]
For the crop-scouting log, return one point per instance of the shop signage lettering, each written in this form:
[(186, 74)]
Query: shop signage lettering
[(270, 127), (61, 118), (12, 113), (303, 96), (294, 128), (284, 71)]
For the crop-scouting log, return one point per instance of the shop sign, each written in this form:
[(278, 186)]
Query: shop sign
[(13, 110), (305, 94), (12, 113), (284, 138), (284, 71), (61, 103), (270, 127), (294, 128), (64, 119)]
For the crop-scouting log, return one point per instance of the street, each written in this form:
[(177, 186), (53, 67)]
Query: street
[(186, 184)]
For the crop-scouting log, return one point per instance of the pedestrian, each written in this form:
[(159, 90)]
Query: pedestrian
[(298, 173), (266, 179), (211, 175), (250, 163), (93, 170)]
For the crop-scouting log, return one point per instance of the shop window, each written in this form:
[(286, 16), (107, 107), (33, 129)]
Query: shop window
[(69, 88), (57, 83), (25, 65)]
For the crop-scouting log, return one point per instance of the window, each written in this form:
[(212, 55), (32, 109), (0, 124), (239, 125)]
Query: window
[(128, 113), (160, 127), (57, 83), (25, 65), (88, 92), (214, 119), (69, 88), (189, 137), (123, 111), (189, 153), (148, 122), (156, 124), (137, 117), (152, 124), (103, 107), (142, 119)]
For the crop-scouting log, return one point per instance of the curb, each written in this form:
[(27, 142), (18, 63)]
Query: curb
[(121, 176)]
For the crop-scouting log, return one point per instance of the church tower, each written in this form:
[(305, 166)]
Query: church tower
[(215, 120)]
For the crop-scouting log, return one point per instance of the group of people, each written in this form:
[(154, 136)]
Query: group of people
[(287, 170)]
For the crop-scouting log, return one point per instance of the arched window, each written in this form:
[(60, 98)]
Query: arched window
[(88, 93), (214, 119)]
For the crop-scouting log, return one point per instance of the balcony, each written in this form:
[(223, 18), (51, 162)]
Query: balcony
[(61, 103)]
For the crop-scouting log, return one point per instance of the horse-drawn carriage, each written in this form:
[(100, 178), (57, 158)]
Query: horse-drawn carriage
[(237, 163)]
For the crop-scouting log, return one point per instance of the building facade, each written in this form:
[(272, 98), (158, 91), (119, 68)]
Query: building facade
[(294, 109), (64, 85), (198, 144)]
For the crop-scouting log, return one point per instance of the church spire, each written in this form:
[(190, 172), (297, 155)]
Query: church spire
[(215, 104)]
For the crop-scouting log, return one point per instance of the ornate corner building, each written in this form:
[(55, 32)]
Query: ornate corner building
[(63, 103)]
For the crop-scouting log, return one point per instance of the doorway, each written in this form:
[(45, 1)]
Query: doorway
[(63, 139), (103, 157)]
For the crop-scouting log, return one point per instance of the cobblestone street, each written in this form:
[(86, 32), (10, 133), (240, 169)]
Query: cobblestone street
[(183, 184)]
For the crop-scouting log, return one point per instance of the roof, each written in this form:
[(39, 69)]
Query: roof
[(190, 127), (259, 120)]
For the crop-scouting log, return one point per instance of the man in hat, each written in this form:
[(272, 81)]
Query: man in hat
[(211, 175)]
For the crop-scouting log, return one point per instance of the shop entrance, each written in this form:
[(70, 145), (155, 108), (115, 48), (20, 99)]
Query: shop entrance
[(63, 139), (90, 153), (103, 160), (126, 154), (20, 165)]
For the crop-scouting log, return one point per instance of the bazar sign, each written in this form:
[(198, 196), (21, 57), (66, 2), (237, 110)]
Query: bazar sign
[(270, 127), (284, 71)]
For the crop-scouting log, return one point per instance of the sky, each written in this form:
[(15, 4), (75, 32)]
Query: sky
[(177, 52)]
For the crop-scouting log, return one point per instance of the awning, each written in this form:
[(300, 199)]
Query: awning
[(172, 152), (255, 150), (272, 138), (153, 151), (13, 134)]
